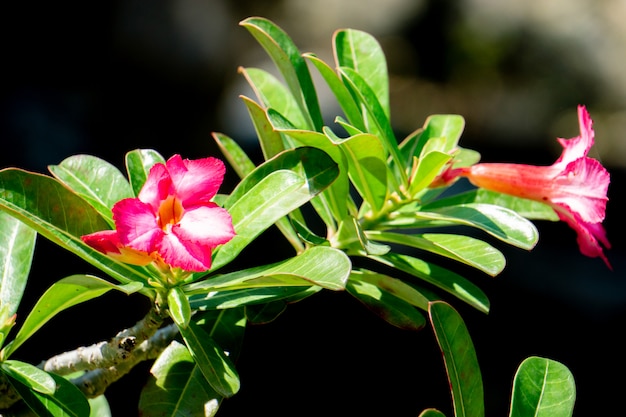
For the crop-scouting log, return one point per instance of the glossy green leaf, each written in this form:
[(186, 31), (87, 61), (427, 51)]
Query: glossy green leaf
[(468, 250), (319, 265), (351, 238), (344, 98), (361, 52), (449, 127), (271, 192), (29, 375), (138, 164), (543, 388), (99, 407), (378, 121), (427, 168), (337, 195), (226, 327), (177, 387), (17, 244), (367, 288), (367, 168), (431, 412), (58, 214), (526, 208), (271, 141), (394, 286), (65, 401), (63, 294), (500, 222), (236, 156), (273, 93), (97, 181), (439, 277), (226, 299), (460, 360), (178, 306), (285, 54), (212, 361)]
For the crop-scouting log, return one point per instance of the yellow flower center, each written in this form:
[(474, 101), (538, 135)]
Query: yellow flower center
[(170, 212)]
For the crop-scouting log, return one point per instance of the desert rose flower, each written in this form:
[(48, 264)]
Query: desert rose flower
[(575, 186), (173, 220)]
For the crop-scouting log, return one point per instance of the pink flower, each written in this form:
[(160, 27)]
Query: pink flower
[(172, 220), (575, 186)]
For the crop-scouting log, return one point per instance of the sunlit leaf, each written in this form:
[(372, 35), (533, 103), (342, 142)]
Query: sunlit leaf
[(273, 93), (63, 294), (291, 65), (319, 265), (65, 401), (138, 164), (97, 181), (237, 158), (271, 142), (460, 360), (212, 361), (178, 387), (361, 52), (468, 250), (344, 98), (543, 388), (178, 306), (17, 244), (367, 167), (529, 209), (58, 214), (29, 375), (440, 277), (369, 288)]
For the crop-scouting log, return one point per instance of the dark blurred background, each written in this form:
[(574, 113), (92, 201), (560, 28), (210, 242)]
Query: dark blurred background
[(107, 77)]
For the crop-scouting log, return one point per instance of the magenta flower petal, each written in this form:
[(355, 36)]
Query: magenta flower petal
[(210, 226), (575, 186), (136, 224), (197, 181), (157, 187), (108, 242), (185, 255)]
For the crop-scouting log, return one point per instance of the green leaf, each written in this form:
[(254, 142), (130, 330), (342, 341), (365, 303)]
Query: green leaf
[(465, 249), (439, 277), (319, 265), (177, 387), (99, 407), (62, 295), (138, 164), (460, 360), (58, 214), (543, 388), (29, 375), (361, 52), (384, 303), (499, 222), (95, 180), (529, 209), (341, 92), (272, 191), (273, 93), (337, 195), (17, 244), (291, 65), (65, 401), (271, 141), (226, 299), (237, 158), (178, 305), (367, 168), (214, 364), (428, 167), (449, 127), (431, 412)]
